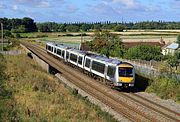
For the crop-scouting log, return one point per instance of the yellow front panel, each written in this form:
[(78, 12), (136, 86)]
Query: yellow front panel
[(125, 65), (126, 79)]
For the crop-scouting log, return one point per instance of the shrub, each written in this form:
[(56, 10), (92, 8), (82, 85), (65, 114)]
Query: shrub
[(178, 39), (17, 35), (144, 52), (119, 28), (165, 88)]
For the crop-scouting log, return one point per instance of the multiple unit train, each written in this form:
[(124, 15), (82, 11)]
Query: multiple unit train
[(114, 71)]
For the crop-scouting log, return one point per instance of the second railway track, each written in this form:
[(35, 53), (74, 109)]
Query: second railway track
[(118, 102)]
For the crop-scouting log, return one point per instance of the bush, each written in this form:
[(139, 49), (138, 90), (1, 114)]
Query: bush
[(178, 39), (18, 35), (144, 52), (119, 28), (7, 34), (165, 88), (2, 68)]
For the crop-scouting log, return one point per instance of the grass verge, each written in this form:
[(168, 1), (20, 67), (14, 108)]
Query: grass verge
[(30, 94), (165, 88)]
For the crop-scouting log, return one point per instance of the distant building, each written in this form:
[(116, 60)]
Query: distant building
[(128, 45), (170, 49)]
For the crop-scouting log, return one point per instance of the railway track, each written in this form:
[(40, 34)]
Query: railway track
[(114, 99)]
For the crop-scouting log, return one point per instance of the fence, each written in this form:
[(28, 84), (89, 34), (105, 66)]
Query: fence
[(13, 52)]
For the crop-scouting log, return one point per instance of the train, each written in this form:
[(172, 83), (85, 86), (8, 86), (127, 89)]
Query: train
[(112, 71)]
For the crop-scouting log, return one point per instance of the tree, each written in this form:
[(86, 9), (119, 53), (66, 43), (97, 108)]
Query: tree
[(119, 28), (8, 34), (29, 24), (144, 52), (72, 28), (107, 44), (20, 29), (62, 28), (85, 27), (173, 61), (97, 27)]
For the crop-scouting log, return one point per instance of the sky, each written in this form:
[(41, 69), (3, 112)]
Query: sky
[(91, 10)]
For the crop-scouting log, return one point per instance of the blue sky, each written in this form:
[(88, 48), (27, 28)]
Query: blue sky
[(91, 10)]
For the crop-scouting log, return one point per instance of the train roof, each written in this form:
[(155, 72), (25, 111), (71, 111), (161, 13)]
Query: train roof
[(105, 59), (78, 51), (58, 45), (89, 54)]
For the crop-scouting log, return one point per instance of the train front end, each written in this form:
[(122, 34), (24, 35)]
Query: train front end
[(126, 75)]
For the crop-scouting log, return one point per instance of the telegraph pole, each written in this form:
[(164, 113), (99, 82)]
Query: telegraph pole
[(2, 34)]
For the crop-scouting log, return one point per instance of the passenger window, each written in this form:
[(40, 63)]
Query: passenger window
[(73, 57), (87, 64), (63, 53), (99, 67), (54, 50), (67, 55), (111, 71), (49, 48), (59, 52), (80, 60)]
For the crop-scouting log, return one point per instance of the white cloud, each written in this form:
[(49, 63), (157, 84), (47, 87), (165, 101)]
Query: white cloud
[(43, 4), (15, 7), (127, 3), (34, 3)]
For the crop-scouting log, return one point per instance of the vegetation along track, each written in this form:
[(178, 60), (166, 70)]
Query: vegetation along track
[(99, 91)]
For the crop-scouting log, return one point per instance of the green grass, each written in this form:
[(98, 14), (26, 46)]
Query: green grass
[(30, 94), (165, 88)]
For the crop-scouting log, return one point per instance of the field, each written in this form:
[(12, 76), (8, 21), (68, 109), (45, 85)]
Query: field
[(30, 94), (130, 36)]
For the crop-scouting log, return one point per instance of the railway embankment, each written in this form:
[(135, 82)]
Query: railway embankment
[(28, 93)]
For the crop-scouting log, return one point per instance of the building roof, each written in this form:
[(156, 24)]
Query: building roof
[(173, 46), (133, 44)]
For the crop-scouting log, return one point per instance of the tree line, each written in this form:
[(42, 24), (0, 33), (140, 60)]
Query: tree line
[(77, 27), (27, 24)]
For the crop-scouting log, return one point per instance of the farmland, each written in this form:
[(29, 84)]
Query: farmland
[(129, 36)]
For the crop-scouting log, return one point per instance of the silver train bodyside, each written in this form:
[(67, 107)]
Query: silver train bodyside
[(113, 70)]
